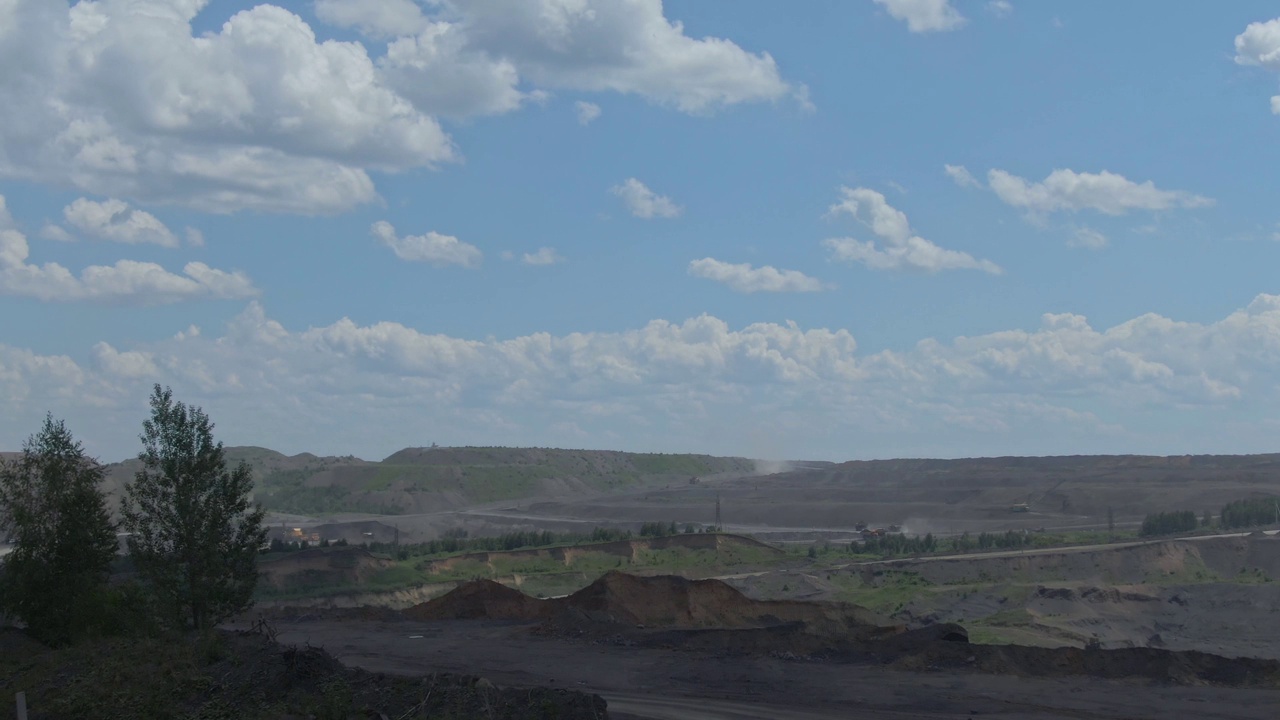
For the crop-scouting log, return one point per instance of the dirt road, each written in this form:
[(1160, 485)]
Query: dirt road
[(668, 684)]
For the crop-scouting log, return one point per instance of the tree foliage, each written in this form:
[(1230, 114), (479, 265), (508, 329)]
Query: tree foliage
[(1169, 523), (194, 535), (63, 537), (1250, 512)]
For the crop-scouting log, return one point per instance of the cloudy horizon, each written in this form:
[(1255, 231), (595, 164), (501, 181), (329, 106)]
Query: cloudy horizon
[(891, 228)]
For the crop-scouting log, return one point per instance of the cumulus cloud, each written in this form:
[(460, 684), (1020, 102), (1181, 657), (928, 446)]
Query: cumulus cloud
[(744, 278), (1000, 8), (1259, 45), (587, 112), (643, 202), (1105, 192), (544, 256), (924, 16), (486, 56), (131, 364), (1087, 238), (114, 220), (627, 47), (662, 384), (374, 18), (56, 233), (432, 248), (903, 249), (125, 282), (961, 175), (441, 72), (121, 99)]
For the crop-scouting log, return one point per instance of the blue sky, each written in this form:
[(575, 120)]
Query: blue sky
[(836, 230)]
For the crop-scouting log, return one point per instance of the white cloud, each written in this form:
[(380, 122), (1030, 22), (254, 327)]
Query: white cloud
[(474, 56), (1000, 8), (544, 256), (1105, 192), (433, 248), (195, 238), (643, 202), (374, 18), (124, 364), (126, 282), (924, 15), (56, 233), (903, 249), (1259, 45), (587, 112), (746, 279), (441, 73), (1061, 386), (961, 175), (121, 99), (1087, 238), (625, 47), (114, 220)]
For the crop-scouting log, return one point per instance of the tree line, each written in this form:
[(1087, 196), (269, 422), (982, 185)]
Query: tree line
[(191, 530), (458, 541), (1168, 523), (1251, 512), (897, 544)]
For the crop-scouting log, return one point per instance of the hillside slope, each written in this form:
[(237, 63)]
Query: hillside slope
[(417, 480)]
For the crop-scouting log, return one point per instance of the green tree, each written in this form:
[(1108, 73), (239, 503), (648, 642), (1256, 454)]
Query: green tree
[(194, 535), (64, 541)]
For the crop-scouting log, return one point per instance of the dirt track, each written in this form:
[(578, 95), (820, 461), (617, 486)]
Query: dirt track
[(655, 683)]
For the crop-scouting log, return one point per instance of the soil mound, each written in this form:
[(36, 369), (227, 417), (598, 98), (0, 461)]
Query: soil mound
[(1178, 667), (670, 601), (665, 602), (482, 600), (246, 675)]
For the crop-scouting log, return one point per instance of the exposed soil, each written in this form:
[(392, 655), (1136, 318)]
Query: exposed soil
[(673, 612), (246, 675), (665, 601), (320, 567), (706, 684)]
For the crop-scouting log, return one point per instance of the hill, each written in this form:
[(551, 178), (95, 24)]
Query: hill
[(419, 480)]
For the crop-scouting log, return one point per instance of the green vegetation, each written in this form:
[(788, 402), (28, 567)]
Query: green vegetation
[(884, 591), (193, 534), (896, 545), (411, 478), (552, 569), (55, 578), (1169, 523), (1251, 513)]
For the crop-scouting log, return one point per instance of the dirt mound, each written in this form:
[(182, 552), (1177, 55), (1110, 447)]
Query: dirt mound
[(482, 600), (667, 602), (1178, 667), (671, 601), (245, 675)]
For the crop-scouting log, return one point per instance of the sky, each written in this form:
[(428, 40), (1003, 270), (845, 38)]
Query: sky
[(822, 230)]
